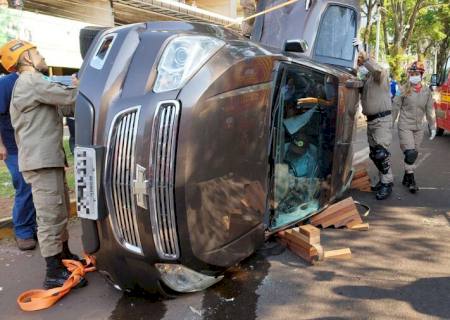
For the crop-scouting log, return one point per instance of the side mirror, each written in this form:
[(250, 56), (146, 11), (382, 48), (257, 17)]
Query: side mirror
[(434, 80), (299, 46)]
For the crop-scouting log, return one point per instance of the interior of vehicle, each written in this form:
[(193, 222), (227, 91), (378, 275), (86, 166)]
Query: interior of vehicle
[(302, 151)]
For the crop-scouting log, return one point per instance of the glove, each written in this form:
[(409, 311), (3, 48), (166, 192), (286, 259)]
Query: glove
[(433, 134), (358, 44)]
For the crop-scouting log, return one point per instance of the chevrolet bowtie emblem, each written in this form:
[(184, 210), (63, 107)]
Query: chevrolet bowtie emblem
[(140, 187)]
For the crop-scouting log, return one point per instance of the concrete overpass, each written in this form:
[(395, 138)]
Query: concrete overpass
[(118, 12)]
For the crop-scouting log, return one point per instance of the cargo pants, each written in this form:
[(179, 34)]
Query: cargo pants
[(51, 200), (379, 132), (409, 140)]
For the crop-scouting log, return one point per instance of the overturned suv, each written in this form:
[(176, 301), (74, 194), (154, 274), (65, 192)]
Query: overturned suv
[(194, 144)]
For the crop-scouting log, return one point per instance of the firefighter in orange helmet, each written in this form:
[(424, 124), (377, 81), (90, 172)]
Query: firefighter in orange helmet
[(37, 108), (412, 106)]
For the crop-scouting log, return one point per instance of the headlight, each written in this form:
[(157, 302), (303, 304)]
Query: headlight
[(181, 279), (182, 57)]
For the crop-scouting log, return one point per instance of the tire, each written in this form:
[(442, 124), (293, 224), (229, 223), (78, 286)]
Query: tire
[(439, 132), (87, 37)]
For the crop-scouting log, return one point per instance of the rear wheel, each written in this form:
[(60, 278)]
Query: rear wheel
[(439, 132)]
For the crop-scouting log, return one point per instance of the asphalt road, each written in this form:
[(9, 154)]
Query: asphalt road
[(400, 269)]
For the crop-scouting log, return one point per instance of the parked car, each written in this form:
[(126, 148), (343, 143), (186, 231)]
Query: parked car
[(194, 144)]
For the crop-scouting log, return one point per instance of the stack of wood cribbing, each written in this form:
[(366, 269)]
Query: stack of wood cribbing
[(361, 179), (341, 214), (304, 241)]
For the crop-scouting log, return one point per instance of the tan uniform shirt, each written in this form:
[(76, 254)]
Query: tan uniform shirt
[(37, 109), (376, 94), (413, 108)]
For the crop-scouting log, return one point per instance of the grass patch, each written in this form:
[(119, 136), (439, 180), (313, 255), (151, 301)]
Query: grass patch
[(7, 188)]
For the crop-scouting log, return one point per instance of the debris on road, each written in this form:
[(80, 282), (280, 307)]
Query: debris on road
[(345, 253), (361, 179), (341, 214), (304, 240)]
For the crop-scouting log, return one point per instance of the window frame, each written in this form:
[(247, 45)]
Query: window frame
[(332, 60)]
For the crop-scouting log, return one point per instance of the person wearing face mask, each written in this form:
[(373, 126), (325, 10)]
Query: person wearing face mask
[(377, 107), (37, 109), (411, 107)]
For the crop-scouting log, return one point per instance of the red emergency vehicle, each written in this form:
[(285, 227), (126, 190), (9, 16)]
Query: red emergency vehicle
[(442, 99)]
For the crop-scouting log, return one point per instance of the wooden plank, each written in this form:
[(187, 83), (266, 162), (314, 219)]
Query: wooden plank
[(293, 237), (331, 210), (338, 254), (309, 231), (360, 227), (310, 240), (311, 256), (337, 219)]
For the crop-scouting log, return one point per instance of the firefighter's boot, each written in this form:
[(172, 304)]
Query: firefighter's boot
[(376, 187), (413, 188), (67, 254), (385, 191), (406, 179), (57, 274)]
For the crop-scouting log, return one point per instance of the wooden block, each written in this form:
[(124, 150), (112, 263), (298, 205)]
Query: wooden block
[(338, 254), (354, 222), (331, 210), (309, 230), (309, 240), (360, 227), (305, 251), (360, 174), (295, 238)]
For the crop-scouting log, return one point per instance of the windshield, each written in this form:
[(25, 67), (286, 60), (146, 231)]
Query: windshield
[(336, 32)]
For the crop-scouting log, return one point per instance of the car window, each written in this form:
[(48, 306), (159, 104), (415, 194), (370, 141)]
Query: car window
[(336, 32)]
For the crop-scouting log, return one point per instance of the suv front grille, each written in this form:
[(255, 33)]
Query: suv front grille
[(119, 179), (162, 162)]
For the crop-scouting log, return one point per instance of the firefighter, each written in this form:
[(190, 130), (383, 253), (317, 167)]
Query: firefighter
[(377, 107), (37, 108), (412, 106)]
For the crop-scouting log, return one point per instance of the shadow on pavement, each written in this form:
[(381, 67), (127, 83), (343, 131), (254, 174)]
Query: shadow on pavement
[(428, 296), (139, 307)]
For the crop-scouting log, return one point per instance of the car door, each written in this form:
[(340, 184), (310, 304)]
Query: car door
[(303, 143)]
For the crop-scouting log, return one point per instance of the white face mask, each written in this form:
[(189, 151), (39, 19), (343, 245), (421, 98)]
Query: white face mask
[(415, 79), (362, 73)]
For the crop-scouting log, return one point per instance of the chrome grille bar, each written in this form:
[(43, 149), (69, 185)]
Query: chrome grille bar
[(119, 179), (162, 162)]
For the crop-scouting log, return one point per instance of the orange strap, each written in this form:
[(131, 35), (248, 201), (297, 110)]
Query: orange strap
[(38, 299)]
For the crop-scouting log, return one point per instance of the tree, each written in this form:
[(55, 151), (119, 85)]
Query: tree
[(400, 25)]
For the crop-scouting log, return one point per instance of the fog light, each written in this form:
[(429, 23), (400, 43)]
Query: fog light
[(181, 279)]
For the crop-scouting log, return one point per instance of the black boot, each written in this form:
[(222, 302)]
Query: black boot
[(406, 179), (384, 191), (413, 188), (57, 274), (66, 254), (376, 187)]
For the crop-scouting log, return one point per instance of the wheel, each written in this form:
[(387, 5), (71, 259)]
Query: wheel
[(87, 36), (440, 132)]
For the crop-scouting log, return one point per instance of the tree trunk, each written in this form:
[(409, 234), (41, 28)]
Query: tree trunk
[(411, 23), (369, 4)]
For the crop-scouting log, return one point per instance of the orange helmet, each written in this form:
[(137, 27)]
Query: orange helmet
[(417, 66), (11, 51)]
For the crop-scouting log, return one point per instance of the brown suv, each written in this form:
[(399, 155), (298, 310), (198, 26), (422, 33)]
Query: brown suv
[(194, 143)]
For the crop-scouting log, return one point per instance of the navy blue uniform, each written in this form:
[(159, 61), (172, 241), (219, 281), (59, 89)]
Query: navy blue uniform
[(24, 214)]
